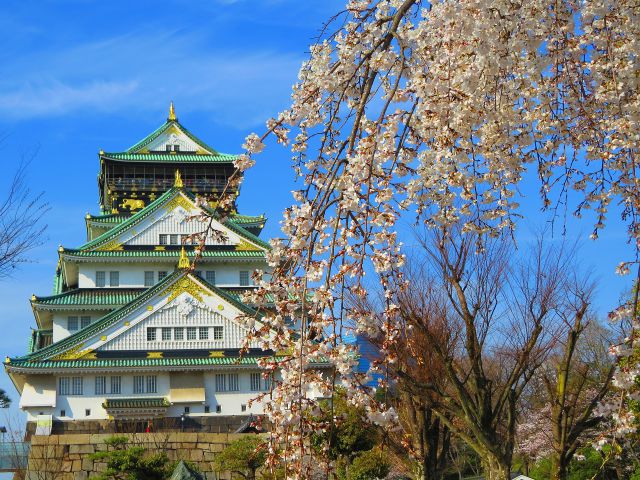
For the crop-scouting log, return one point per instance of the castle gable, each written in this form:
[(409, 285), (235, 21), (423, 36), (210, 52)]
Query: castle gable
[(197, 315)]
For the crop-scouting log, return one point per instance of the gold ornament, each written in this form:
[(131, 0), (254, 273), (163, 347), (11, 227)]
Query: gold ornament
[(178, 180), (185, 285), (172, 113), (184, 260)]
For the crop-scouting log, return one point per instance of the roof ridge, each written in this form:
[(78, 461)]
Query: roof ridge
[(160, 130)]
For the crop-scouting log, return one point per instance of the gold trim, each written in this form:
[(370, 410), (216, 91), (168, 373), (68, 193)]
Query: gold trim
[(216, 354), (172, 112), (154, 354), (149, 308), (112, 245), (184, 260), (103, 338), (178, 180), (185, 285), (90, 355), (246, 246), (73, 353), (178, 201)]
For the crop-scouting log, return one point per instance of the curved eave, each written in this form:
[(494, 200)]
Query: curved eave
[(154, 157)]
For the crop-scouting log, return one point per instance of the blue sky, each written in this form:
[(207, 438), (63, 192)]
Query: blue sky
[(83, 75)]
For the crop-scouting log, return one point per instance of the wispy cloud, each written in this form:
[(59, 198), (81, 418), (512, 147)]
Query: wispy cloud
[(146, 69)]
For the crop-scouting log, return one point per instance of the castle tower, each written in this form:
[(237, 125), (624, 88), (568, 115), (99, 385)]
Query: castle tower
[(134, 330)]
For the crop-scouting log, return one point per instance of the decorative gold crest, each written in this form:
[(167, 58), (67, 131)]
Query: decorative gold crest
[(185, 285)]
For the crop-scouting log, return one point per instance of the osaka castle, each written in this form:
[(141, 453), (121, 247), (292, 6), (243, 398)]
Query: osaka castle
[(135, 331)]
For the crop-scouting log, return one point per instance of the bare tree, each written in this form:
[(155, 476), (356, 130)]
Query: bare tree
[(21, 222), (489, 319)]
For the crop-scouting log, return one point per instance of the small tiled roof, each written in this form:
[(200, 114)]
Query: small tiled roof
[(163, 128), (159, 253), (155, 205), (170, 158), (114, 316), (135, 402), (91, 296)]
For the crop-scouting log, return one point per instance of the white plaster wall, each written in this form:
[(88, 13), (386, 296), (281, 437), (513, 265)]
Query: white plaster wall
[(60, 329), (75, 405), (132, 275)]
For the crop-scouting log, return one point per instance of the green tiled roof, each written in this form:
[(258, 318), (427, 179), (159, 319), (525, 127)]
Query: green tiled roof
[(171, 158), (160, 254), (151, 208), (247, 219), (116, 315), (138, 362), (110, 218), (162, 128), (135, 402), (91, 296)]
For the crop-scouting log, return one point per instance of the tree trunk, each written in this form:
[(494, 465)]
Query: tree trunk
[(494, 469), (559, 467)]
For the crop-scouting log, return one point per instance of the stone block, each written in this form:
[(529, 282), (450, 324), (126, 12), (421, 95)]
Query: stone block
[(87, 463), (196, 455), (80, 476)]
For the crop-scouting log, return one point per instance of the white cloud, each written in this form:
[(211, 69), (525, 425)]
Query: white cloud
[(144, 71)]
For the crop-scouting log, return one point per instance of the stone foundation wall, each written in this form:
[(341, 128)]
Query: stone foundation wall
[(204, 424), (67, 457)]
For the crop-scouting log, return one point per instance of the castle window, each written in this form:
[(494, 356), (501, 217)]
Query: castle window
[(63, 413), (138, 384), (87, 412), (151, 334), (101, 385), (173, 239), (176, 148), (267, 383), (116, 385), (211, 277), (203, 333), (178, 333), (85, 322), (207, 409), (148, 279), (64, 386), (101, 279), (244, 278), (218, 333), (163, 239), (243, 407), (76, 385), (72, 324), (114, 279), (152, 384), (187, 409), (221, 382), (161, 275), (166, 333), (191, 333), (255, 382), (218, 408), (233, 382), (167, 147)]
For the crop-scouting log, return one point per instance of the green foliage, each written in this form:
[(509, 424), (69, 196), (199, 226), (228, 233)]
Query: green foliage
[(369, 465), (242, 457), (131, 463), (350, 433), (589, 467)]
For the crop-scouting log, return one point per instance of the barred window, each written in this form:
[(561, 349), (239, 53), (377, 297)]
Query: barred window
[(267, 383), (161, 275), (234, 385), (178, 333), (191, 333), (64, 385), (211, 277), (148, 279), (116, 385), (76, 385), (173, 239), (138, 384), (218, 333), (72, 324), (101, 385), (163, 239), (166, 333), (221, 382), (114, 279), (255, 382), (244, 278), (152, 384), (151, 334), (203, 333), (101, 279), (85, 322)]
